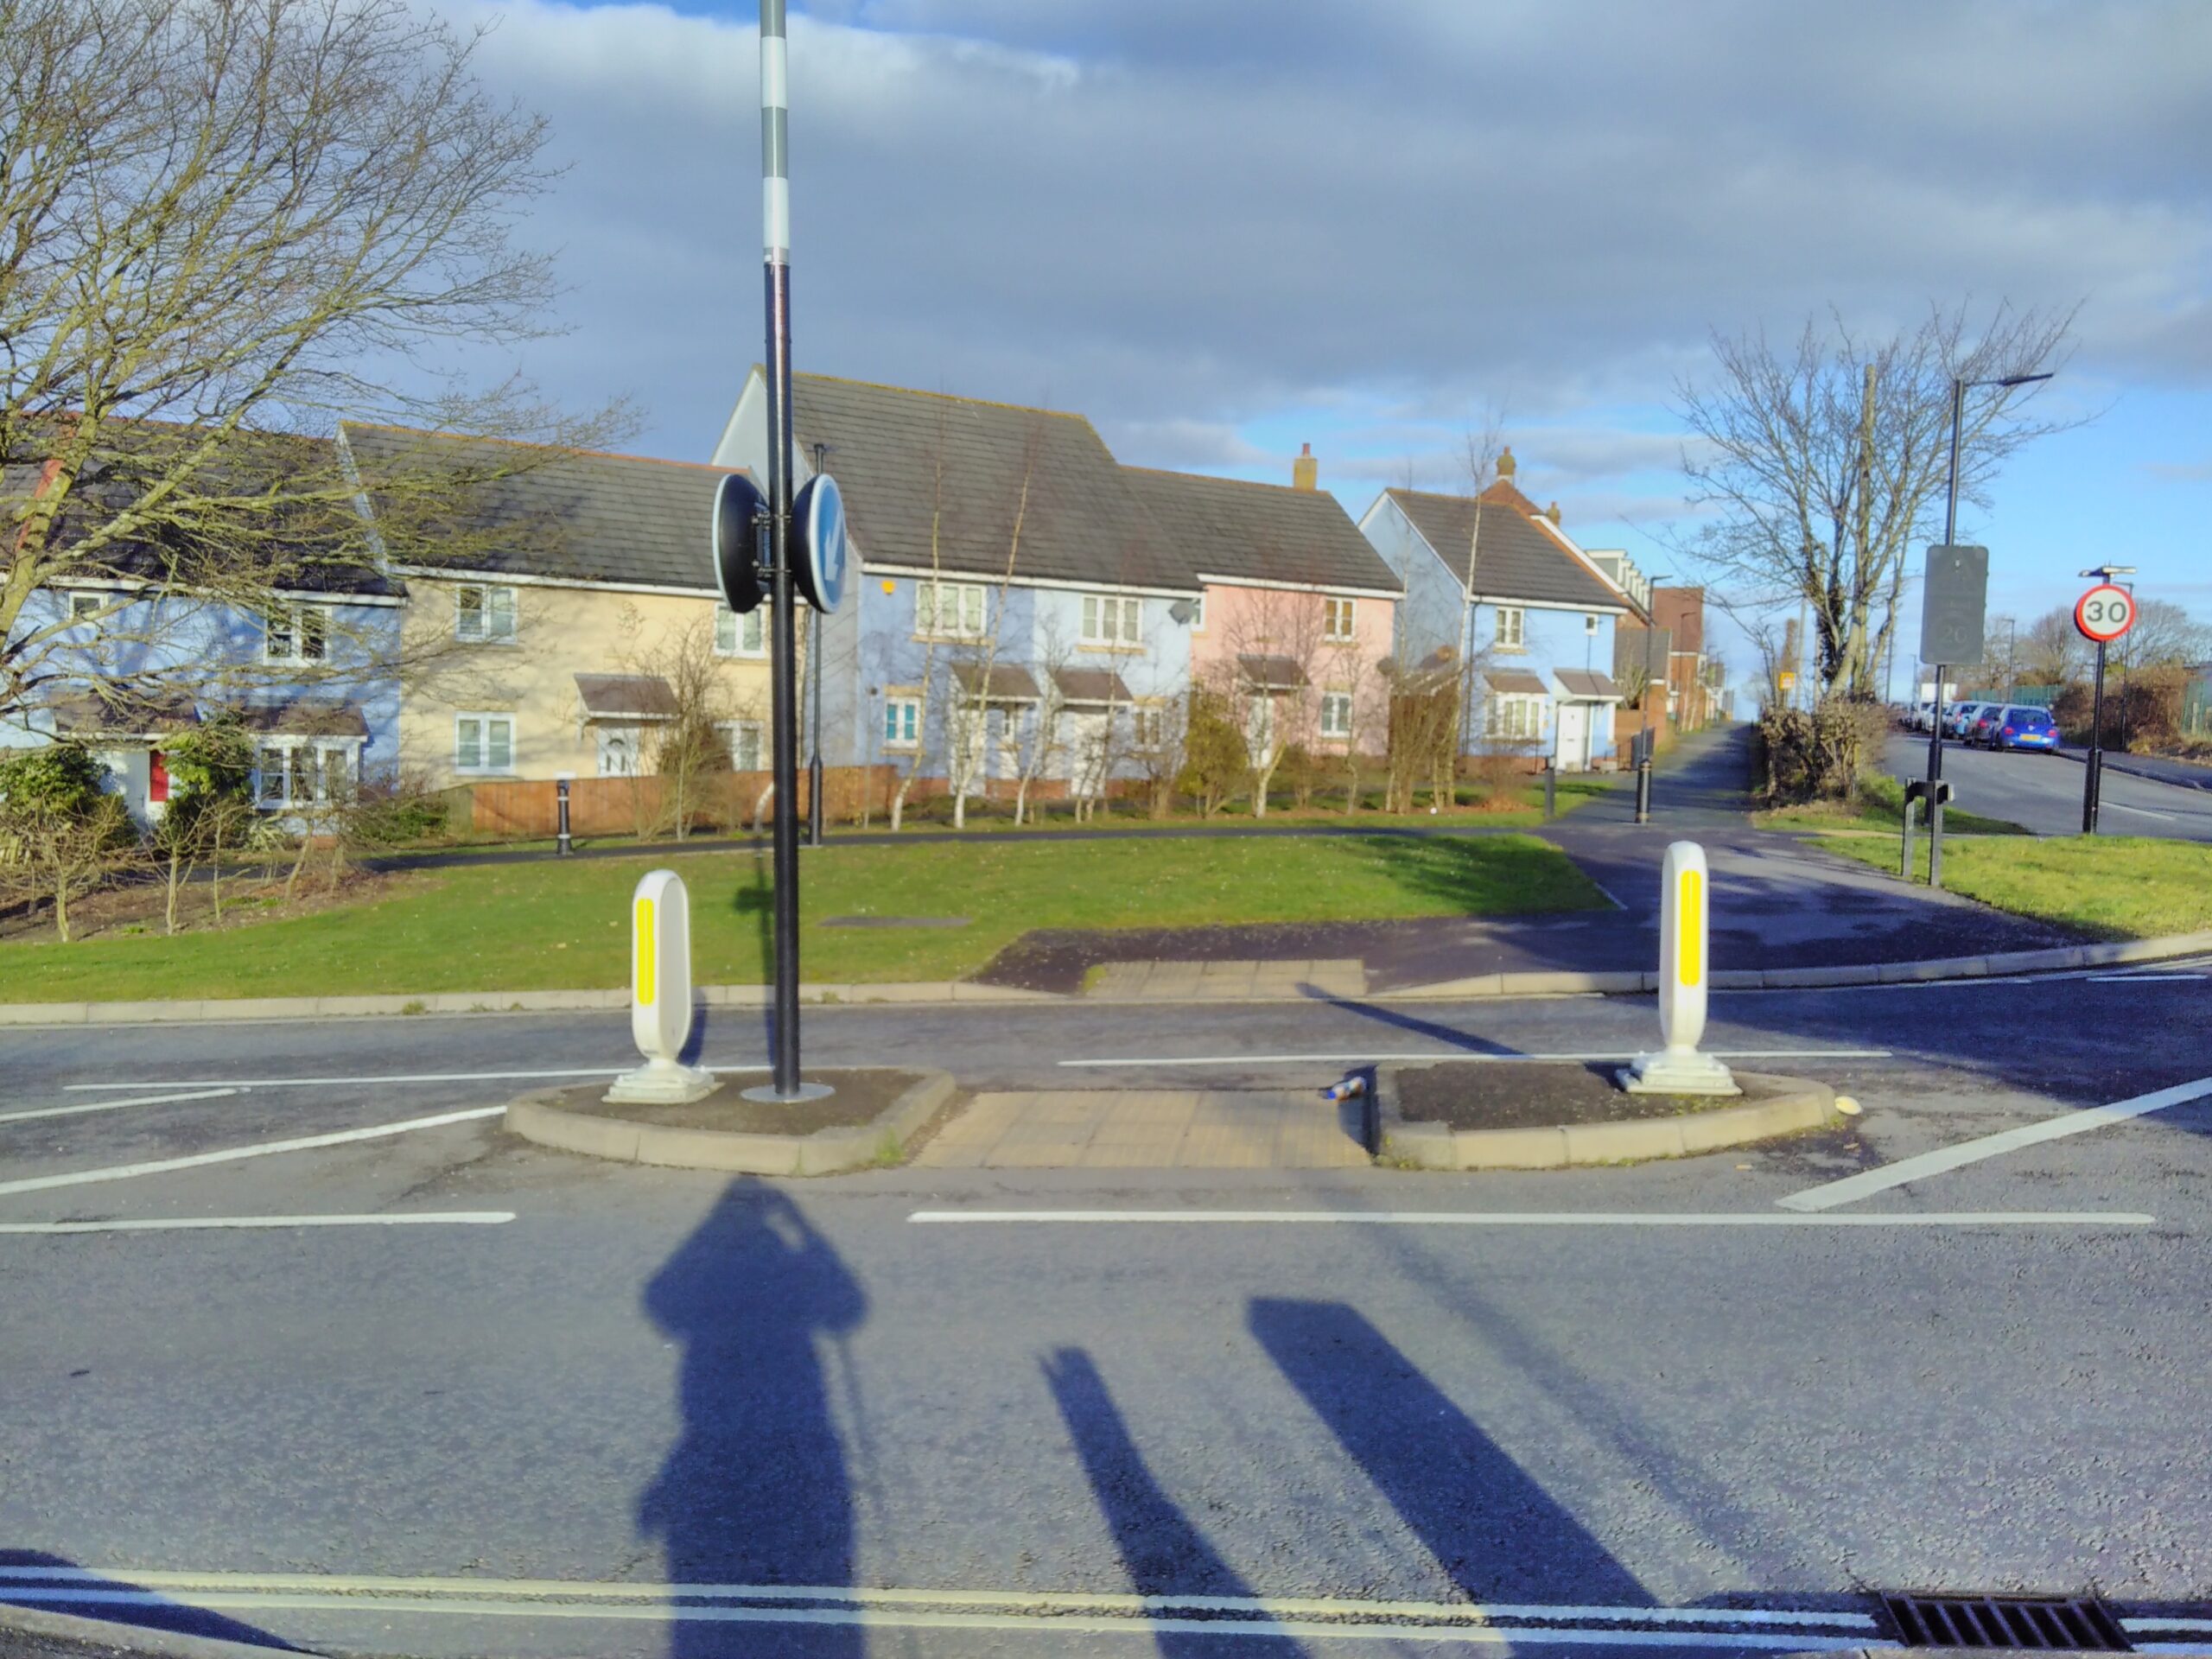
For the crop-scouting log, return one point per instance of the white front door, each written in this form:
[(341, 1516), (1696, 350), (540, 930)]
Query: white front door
[(1573, 751), (1085, 738), (1008, 762), (618, 751)]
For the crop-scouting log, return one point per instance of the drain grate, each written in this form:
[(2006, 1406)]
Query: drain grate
[(2079, 1622)]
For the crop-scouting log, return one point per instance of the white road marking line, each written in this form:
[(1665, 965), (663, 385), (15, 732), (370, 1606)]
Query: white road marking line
[(1370, 1057), (2122, 806), (113, 1105), (1552, 1219), (214, 1224), (572, 1589), (1854, 1187), (1056, 1624), (269, 1148), (2194, 1626), (400, 1078)]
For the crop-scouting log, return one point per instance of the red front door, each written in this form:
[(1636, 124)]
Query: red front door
[(158, 778)]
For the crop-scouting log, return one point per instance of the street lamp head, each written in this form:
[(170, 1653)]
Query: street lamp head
[(2017, 380)]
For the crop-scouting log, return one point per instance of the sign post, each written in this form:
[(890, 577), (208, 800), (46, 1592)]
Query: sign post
[(2101, 615), (660, 994), (1684, 967), (1954, 598)]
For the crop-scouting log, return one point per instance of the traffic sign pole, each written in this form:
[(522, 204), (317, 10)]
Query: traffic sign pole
[(2103, 614), (1935, 777), (2094, 774)]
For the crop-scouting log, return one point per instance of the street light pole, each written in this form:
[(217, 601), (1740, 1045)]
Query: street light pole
[(1950, 535), (775, 204)]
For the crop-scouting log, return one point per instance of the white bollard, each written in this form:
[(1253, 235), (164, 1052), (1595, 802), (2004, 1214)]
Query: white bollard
[(1684, 966), (660, 994)]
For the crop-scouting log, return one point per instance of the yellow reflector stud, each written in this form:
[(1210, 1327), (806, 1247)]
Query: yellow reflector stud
[(1689, 928), (645, 952)]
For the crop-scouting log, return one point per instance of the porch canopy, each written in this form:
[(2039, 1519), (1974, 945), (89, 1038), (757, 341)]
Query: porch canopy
[(1586, 685), (120, 713), (1514, 683), (1098, 687), (1001, 682), (625, 699), (1266, 673), (305, 717)]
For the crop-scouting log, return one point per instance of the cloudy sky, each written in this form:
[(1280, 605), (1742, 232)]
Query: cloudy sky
[(1223, 229)]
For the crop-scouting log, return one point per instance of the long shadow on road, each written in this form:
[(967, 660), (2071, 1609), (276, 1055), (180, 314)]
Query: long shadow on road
[(755, 1490), (48, 1583)]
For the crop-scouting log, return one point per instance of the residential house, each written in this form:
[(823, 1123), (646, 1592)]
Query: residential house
[(1690, 702), (1494, 584), (1011, 610), (1296, 609), (574, 600), (151, 638)]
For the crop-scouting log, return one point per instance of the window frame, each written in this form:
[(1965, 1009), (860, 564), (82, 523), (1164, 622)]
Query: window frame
[(290, 772), (484, 717), (291, 618), (1148, 725), (1341, 700), (1516, 716), (487, 592), (1519, 632), (932, 626), (737, 650), (84, 608), (733, 730), (912, 704), (1111, 622), (1339, 626)]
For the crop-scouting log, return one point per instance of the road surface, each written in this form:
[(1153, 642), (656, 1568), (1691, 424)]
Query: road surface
[(2042, 793)]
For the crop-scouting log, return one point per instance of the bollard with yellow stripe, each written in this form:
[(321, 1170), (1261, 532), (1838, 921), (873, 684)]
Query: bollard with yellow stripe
[(660, 994), (1685, 964)]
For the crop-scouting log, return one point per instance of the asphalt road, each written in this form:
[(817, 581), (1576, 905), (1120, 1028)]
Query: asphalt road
[(1629, 1430), (2042, 793)]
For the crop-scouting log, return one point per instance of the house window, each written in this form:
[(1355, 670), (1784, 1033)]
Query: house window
[(740, 636), (1336, 714), (83, 607), (1199, 618), (1516, 714), (1146, 727), (743, 738), (1108, 620), (902, 723), (294, 633), (483, 742), (484, 615), (949, 610), (1337, 620), (1511, 627), (296, 772)]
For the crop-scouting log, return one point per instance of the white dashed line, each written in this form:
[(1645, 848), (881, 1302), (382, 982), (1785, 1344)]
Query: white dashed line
[(221, 1224), (113, 1105)]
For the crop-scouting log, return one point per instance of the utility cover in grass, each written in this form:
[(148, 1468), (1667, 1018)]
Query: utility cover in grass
[(861, 1094), (1533, 1095)]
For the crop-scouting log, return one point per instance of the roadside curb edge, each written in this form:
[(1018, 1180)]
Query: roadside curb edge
[(115, 1636)]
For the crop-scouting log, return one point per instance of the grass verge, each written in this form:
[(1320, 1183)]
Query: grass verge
[(562, 926), (1880, 805), (2103, 888)]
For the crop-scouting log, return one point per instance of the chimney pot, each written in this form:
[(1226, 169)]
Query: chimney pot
[(1306, 470), (1552, 513)]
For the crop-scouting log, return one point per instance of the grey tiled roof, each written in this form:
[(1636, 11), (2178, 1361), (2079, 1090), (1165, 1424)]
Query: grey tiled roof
[(1225, 527), (1515, 561), (306, 717), (561, 515), (1082, 521), (1091, 685), (624, 696), (1006, 682), (1516, 681), (1267, 673)]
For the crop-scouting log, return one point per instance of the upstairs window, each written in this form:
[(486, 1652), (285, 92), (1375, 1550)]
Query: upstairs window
[(741, 635), (1511, 625), (1337, 620), (83, 607), (949, 610), (1109, 621), (484, 615), (294, 633)]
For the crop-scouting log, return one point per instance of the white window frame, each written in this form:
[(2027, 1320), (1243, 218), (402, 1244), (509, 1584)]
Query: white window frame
[(1146, 727), (1199, 622), (292, 775), (492, 598), (290, 620), (84, 607), (731, 629), (1517, 716), (1339, 621), (1513, 637), (1112, 622), (1339, 702), (966, 597), (483, 768), (734, 733), (913, 705)]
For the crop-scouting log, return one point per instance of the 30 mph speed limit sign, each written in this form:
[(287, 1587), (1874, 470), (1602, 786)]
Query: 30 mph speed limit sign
[(2105, 612)]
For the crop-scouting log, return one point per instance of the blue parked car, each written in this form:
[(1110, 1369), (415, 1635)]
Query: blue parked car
[(2015, 726)]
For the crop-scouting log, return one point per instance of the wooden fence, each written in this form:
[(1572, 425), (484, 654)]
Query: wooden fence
[(642, 806)]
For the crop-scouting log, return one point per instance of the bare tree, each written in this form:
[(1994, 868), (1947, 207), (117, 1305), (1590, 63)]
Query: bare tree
[(1275, 638), (2052, 651), (225, 224), (1159, 729), (2165, 635), (1826, 459)]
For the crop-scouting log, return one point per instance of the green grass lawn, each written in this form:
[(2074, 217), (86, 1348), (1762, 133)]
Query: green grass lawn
[(1880, 805), (2103, 887), (559, 926)]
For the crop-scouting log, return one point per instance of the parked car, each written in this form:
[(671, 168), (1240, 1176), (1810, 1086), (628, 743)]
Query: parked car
[(1920, 717), (2019, 727), (1983, 723), (1959, 718)]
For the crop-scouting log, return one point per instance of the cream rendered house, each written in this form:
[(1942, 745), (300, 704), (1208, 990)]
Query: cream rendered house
[(579, 599)]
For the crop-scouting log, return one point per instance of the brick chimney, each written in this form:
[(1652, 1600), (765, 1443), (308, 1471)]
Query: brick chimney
[(1305, 471), (1552, 513)]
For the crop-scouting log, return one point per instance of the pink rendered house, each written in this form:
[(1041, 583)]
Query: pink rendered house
[(1298, 609)]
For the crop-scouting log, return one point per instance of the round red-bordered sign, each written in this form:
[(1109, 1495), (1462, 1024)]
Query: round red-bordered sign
[(2105, 612)]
